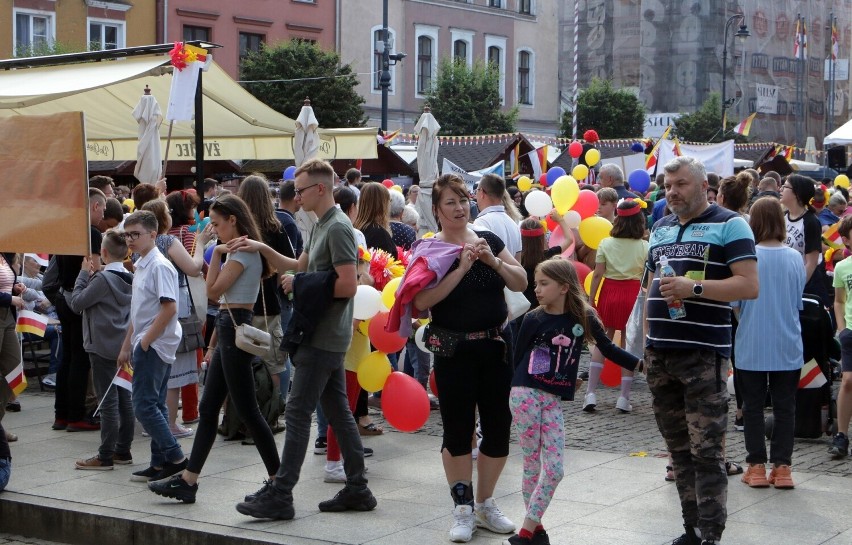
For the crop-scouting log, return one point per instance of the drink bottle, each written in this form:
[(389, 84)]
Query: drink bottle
[(676, 308)]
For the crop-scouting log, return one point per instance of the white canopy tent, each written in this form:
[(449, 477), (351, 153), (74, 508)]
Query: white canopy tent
[(236, 125), (842, 136)]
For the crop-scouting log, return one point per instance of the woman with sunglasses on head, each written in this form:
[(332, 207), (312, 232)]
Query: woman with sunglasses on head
[(235, 284)]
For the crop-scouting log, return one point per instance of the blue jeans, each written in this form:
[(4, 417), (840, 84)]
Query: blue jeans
[(417, 362), (150, 383), (5, 473)]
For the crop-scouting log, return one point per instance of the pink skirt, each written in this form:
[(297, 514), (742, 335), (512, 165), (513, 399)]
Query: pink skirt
[(616, 302)]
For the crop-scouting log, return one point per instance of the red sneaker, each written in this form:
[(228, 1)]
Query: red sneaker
[(60, 424)]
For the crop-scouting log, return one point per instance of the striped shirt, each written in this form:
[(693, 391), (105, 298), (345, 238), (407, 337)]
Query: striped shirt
[(702, 249)]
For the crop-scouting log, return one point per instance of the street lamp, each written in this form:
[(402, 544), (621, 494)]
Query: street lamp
[(741, 35), (385, 77)]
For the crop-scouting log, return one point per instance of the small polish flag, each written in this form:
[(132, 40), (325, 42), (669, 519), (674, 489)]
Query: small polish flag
[(812, 376), (31, 322), (17, 379), (42, 259), (124, 378)]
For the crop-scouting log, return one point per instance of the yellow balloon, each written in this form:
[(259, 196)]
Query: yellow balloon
[(364, 327), (580, 172), (593, 230), (564, 193), (841, 180), (592, 157), (373, 371), (587, 285), (430, 234), (524, 183), (389, 292), (396, 188)]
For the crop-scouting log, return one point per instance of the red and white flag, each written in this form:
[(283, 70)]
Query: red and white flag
[(811, 376), (17, 379), (31, 322), (124, 378)]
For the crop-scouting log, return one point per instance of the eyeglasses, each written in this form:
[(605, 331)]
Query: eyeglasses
[(300, 191), (785, 186), (132, 235)]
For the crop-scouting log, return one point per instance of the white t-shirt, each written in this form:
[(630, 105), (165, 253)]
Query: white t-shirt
[(495, 219), (155, 279)]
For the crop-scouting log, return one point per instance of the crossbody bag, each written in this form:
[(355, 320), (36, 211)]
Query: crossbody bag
[(249, 338)]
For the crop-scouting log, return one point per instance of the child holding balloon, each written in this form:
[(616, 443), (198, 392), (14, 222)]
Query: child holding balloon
[(620, 260), (546, 358)]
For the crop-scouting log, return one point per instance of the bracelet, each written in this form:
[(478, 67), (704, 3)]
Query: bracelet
[(499, 264)]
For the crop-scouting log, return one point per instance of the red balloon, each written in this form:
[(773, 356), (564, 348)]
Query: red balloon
[(587, 204), (433, 384), (389, 343), (543, 180), (575, 149), (387, 183), (610, 376), (582, 269), (551, 225), (405, 404)]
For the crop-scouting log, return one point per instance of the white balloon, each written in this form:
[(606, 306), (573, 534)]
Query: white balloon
[(418, 338), (572, 219), (368, 303), (538, 203)]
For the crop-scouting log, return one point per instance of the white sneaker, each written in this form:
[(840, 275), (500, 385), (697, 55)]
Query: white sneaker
[(489, 516), (623, 405), (334, 472), (590, 402), (49, 380), (464, 525)]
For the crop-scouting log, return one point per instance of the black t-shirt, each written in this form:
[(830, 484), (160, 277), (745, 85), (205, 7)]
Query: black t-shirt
[(280, 242), (377, 237), (69, 265), (529, 293), (477, 303)]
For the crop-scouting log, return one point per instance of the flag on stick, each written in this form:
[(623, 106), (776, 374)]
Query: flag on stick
[(745, 125), (31, 322), (17, 379), (831, 237), (651, 160), (124, 377)]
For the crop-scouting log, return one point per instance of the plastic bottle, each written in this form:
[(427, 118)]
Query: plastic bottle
[(676, 308)]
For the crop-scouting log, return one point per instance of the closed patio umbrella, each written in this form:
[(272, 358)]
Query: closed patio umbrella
[(306, 140), (427, 167), (148, 155)]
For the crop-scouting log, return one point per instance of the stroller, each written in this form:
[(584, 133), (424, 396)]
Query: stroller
[(816, 411)]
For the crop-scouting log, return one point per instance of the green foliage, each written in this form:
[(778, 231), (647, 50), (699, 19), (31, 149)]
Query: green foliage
[(44, 49), (466, 100), (613, 113), (704, 124), (334, 99)]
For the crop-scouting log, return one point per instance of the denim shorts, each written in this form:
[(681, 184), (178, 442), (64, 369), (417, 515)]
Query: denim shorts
[(845, 339)]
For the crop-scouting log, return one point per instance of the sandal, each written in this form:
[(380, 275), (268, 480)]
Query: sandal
[(370, 429), (733, 468), (670, 476)]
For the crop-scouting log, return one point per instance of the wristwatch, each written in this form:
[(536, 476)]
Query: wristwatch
[(697, 289)]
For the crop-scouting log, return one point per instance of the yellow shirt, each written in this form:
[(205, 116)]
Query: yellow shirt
[(624, 257)]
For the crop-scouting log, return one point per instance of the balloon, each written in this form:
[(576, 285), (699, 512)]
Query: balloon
[(557, 238), (418, 338), (396, 188), (387, 183), (575, 149), (593, 230), (538, 203), (637, 147), (542, 180), (582, 269), (592, 157), (368, 302), (208, 253), (550, 224), (384, 341), (524, 183), (841, 180), (572, 219), (364, 327), (389, 291), (433, 384), (554, 174), (587, 204), (373, 371), (580, 172), (611, 374), (405, 404), (639, 181), (564, 194), (289, 173), (587, 285)]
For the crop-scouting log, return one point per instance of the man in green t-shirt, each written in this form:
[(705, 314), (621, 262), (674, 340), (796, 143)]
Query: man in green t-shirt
[(843, 315), (318, 363)]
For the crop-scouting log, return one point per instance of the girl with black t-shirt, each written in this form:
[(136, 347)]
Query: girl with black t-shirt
[(804, 230)]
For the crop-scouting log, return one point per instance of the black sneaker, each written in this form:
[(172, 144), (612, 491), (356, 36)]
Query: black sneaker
[(739, 424), (320, 445), (708, 542), (350, 499), (145, 475), (124, 459), (540, 538), (368, 452), (176, 488), (170, 469), (251, 497), (269, 504), (839, 446), (688, 538)]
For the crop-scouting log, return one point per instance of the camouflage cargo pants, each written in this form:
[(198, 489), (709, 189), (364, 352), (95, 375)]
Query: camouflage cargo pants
[(691, 408)]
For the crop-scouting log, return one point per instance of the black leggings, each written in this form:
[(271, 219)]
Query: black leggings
[(230, 374), (477, 376)]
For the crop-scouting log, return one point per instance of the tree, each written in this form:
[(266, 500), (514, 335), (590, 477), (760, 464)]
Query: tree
[(46, 48), (613, 113), (307, 71), (466, 100), (704, 124)]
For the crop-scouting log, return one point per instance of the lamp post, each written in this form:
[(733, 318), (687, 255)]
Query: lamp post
[(388, 60), (741, 34)]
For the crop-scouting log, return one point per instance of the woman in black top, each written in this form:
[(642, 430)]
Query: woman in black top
[(374, 217)]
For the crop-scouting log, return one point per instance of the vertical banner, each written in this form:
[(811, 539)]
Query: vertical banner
[(45, 207)]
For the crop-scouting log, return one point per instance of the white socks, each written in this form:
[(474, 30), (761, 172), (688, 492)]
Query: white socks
[(595, 370), (626, 385)]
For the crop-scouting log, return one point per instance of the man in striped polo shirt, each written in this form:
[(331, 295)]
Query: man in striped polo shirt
[(712, 252)]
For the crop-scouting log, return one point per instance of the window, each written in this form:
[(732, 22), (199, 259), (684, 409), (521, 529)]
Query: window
[(378, 39), (495, 47), (460, 50), (495, 3), (33, 30), (105, 34), (494, 56), (424, 64), (191, 33), (250, 43), (525, 7), (524, 80)]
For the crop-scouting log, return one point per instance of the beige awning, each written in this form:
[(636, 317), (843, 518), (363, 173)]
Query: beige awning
[(236, 125)]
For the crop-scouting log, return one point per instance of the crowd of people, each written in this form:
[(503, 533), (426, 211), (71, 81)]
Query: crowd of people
[(739, 253)]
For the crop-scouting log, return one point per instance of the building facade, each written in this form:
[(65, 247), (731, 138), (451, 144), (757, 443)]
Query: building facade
[(519, 36), (47, 26)]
